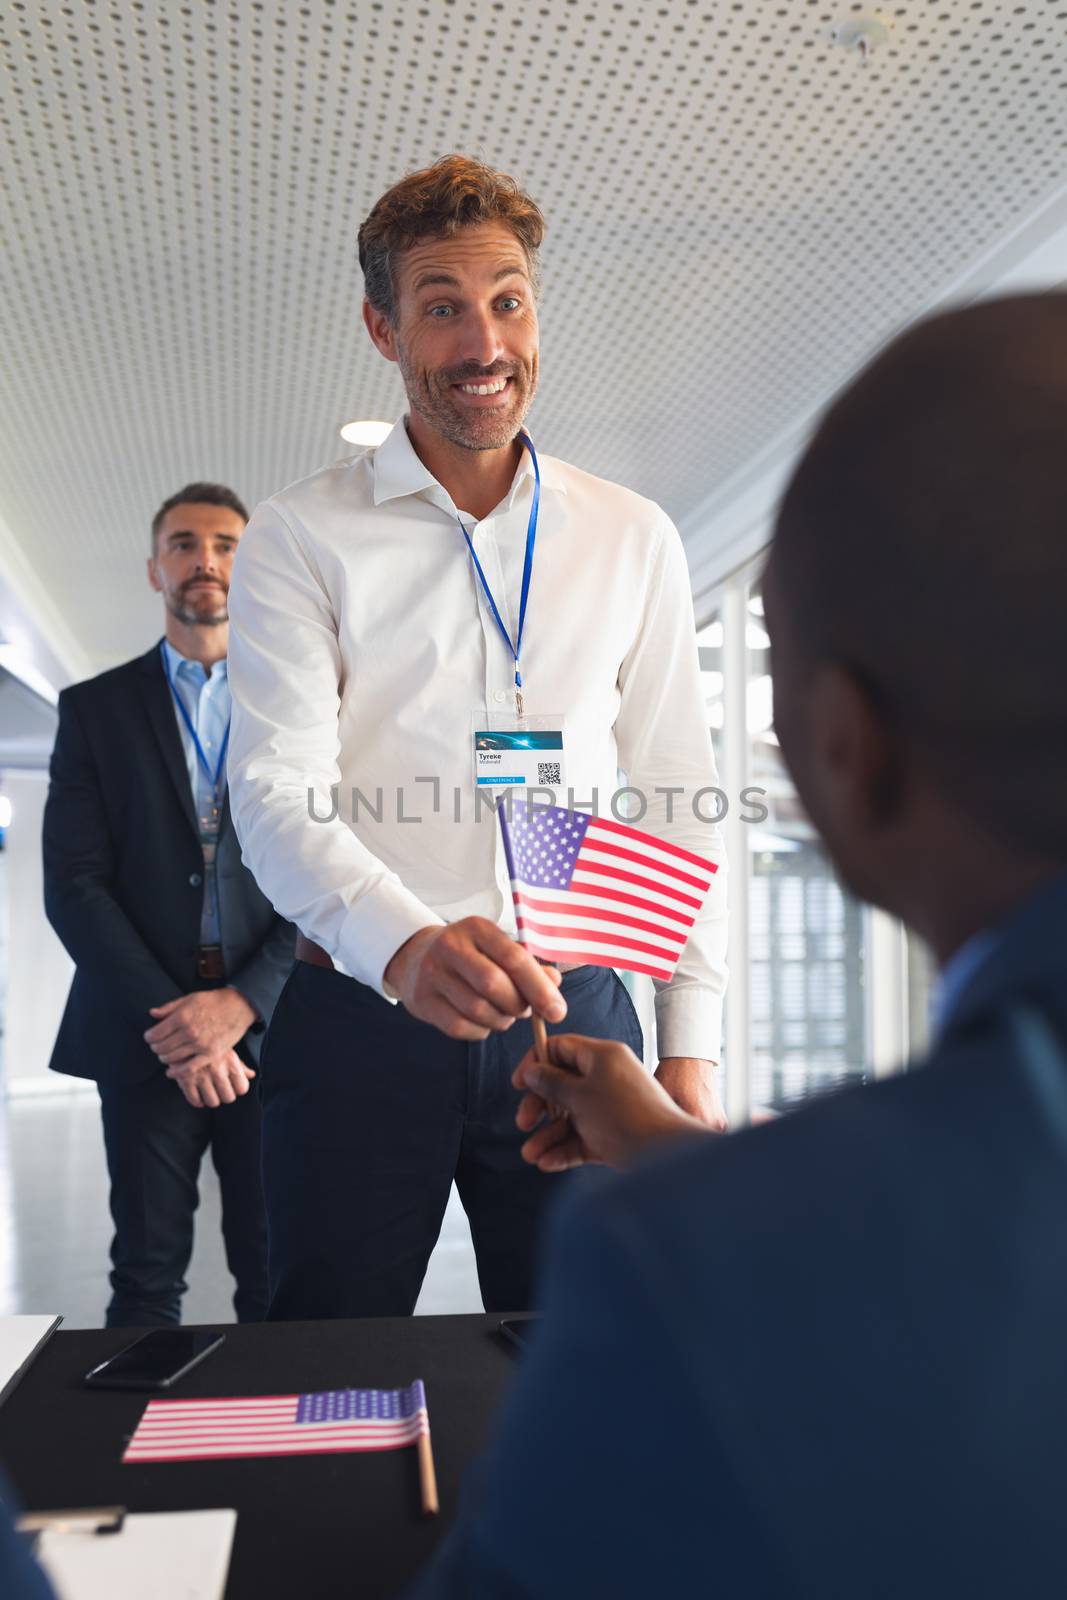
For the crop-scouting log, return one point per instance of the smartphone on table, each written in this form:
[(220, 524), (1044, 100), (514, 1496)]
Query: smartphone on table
[(156, 1360)]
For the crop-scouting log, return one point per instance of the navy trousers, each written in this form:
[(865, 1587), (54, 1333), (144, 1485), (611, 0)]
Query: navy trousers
[(155, 1142), (369, 1115)]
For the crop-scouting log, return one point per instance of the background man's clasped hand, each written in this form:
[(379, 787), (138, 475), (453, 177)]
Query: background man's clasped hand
[(195, 1039)]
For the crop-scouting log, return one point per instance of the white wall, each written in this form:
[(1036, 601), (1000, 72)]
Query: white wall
[(38, 969)]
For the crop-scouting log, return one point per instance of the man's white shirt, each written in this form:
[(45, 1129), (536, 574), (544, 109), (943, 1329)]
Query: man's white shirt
[(362, 654)]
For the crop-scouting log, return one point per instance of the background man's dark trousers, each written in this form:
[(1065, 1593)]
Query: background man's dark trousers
[(368, 1115), (155, 1142)]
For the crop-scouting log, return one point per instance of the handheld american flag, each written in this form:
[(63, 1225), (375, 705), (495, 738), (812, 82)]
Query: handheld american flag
[(280, 1425), (588, 889)]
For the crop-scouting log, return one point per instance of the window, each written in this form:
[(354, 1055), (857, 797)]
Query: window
[(805, 933), (713, 680), (823, 990), (921, 979)]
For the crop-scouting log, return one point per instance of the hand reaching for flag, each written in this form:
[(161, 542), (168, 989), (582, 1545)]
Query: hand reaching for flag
[(605, 1106)]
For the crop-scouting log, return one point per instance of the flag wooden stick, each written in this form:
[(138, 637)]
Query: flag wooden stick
[(540, 1033), (427, 1475), (543, 1053)]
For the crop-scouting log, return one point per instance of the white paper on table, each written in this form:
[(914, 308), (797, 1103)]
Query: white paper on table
[(170, 1555), (20, 1340)]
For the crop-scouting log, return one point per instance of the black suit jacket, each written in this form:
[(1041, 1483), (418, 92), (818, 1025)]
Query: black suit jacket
[(818, 1360), (123, 877)]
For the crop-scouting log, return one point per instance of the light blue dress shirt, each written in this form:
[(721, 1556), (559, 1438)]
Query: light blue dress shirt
[(957, 974), (971, 956), (206, 697)]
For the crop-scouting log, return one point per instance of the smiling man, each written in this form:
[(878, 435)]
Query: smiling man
[(179, 956), (415, 632)]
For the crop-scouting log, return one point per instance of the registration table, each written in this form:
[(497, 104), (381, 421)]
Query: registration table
[(307, 1525)]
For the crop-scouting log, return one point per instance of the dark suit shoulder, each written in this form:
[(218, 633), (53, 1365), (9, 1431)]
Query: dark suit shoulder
[(104, 684), (766, 1191)]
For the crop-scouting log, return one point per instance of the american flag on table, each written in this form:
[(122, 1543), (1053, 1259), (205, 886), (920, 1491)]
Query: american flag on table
[(280, 1425), (591, 889)]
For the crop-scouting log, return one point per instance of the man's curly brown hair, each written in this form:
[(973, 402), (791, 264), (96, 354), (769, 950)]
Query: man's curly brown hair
[(456, 192)]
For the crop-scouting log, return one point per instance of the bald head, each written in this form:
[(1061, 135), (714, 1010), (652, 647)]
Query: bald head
[(922, 544)]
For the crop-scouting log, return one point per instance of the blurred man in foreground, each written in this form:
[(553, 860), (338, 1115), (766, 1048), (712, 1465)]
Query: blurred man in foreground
[(844, 1375), (20, 1576)]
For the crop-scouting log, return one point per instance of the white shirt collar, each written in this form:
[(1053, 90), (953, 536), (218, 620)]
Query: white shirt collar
[(399, 471)]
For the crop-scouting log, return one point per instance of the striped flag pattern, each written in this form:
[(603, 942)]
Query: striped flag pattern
[(280, 1424), (589, 889)]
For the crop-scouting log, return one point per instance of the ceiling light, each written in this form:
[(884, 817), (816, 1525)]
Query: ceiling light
[(862, 35), (367, 432)]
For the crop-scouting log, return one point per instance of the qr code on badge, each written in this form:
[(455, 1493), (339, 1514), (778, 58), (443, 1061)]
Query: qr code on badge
[(550, 772)]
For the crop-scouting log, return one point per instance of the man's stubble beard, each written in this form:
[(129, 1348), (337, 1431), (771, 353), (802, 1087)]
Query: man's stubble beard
[(194, 619), (489, 431)]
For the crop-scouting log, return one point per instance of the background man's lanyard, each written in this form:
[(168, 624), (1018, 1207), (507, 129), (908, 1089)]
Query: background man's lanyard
[(531, 539), (213, 779)]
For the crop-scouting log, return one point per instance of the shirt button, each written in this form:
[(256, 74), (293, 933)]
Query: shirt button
[(195, 879), (500, 694)]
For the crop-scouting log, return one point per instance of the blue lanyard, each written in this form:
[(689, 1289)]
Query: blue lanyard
[(202, 758), (527, 569)]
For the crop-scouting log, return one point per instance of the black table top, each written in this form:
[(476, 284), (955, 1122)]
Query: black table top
[(344, 1524)]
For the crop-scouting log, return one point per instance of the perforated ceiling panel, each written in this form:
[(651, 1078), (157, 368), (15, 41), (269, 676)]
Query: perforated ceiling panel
[(739, 209)]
